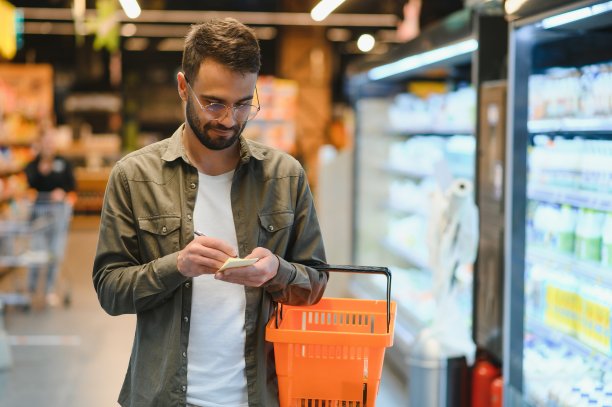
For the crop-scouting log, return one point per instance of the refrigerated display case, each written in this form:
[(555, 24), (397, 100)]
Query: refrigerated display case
[(416, 121), (558, 299)]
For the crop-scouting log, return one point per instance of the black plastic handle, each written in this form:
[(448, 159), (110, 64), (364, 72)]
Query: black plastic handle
[(359, 270)]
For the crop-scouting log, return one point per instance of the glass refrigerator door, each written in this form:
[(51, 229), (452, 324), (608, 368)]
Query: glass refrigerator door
[(557, 347), (409, 148)]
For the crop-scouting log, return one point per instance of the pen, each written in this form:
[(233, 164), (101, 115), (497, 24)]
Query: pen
[(198, 233)]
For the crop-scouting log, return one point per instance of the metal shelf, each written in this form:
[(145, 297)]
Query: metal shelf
[(411, 257), (404, 210), (436, 132), (575, 197), (408, 323), (603, 124), (592, 271), (406, 172), (548, 334)]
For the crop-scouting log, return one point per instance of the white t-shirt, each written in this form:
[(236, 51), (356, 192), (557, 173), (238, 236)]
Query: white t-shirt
[(215, 365)]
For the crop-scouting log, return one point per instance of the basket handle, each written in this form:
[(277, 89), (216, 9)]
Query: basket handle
[(358, 270)]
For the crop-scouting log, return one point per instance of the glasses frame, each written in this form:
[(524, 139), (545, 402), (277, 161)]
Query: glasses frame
[(227, 108)]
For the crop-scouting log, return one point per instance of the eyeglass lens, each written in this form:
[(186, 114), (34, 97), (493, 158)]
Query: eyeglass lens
[(241, 112)]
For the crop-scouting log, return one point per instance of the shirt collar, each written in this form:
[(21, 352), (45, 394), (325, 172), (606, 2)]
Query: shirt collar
[(175, 148)]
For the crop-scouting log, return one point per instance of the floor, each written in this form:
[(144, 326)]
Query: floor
[(77, 355)]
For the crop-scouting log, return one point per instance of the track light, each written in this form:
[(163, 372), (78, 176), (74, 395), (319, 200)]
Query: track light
[(130, 8), (324, 8), (420, 60), (576, 15)]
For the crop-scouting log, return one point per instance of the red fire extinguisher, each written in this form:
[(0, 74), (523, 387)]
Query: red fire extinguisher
[(483, 375), (497, 388)]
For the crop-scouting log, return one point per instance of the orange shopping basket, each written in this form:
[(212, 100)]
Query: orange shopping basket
[(331, 354)]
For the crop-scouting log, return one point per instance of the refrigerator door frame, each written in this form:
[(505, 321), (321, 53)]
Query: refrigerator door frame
[(521, 40)]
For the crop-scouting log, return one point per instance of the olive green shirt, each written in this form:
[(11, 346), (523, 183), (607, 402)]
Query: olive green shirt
[(147, 218)]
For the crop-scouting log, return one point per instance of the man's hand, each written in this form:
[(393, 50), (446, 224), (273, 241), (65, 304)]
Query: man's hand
[(257, 274), (203, 255)]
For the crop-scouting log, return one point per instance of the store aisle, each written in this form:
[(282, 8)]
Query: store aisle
[(73, 356), (77, 356)]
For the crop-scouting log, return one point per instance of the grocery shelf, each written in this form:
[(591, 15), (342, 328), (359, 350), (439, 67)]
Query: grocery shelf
[(575, 197), (550, 335), (412, 316), (436, 132), (603, 124), (597, 273), (414, 173), (404, 210), (11, 170), (411, 257)]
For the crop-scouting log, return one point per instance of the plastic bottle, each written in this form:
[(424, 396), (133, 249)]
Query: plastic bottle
[(589, 234), (566, 229), (606, 243)]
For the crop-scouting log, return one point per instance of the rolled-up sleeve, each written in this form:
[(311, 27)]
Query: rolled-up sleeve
[(296, 283)]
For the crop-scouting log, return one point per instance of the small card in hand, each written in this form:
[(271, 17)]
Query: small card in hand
[(233, 262)]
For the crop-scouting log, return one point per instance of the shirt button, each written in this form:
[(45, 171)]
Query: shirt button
[(187, 284), (192, 185), (186, 319), (189, 217), (271, 228), (184, 388), (184, 354), (164, 229)]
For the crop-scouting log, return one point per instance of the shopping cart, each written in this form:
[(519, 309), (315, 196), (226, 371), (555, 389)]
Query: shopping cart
[(331, 354), (33, 238)]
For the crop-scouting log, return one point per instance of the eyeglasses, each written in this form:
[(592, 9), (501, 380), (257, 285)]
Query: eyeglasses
[(241, 112)]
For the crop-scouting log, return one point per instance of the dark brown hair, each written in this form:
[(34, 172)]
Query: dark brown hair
[(225, 40)]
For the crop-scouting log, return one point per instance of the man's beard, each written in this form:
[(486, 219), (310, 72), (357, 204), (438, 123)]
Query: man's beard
[(202, 132)]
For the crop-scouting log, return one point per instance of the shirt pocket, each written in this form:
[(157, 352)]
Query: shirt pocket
[(160, 235), (275, 231)]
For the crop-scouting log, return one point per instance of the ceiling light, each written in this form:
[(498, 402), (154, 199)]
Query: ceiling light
[(130, 8), (576, 15), (366, 42), (420, 60), (324, 8), (511, 6)]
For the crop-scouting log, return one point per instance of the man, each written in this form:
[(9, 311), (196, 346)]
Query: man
[(200, 332)]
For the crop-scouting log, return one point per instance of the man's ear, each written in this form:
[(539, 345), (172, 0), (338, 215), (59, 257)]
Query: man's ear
[(182, 86)]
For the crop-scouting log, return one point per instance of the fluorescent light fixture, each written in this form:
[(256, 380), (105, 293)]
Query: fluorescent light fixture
[(130, 8), (324, 8), (366, 42), (576, 15), (420, 60)]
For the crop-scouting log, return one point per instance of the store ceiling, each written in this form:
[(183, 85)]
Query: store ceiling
[(168, 18), (160, 30), (349, 6)]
